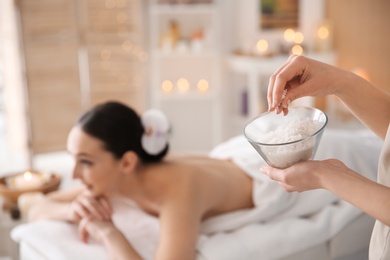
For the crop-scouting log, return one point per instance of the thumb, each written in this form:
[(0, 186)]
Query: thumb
[(278, 176), (272, 173)]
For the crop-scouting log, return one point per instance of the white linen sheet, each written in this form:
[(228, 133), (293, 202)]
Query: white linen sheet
[(281, 223)]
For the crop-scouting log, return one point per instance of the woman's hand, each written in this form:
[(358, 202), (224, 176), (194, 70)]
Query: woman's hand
[(97, 229), (105, 232), (304, 176), (299, 77), (86, 206)]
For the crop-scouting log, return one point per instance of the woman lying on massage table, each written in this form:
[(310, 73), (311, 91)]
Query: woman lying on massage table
[(118, 153)]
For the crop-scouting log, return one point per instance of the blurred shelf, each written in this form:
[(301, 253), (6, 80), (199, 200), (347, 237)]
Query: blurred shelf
[(188, 35)]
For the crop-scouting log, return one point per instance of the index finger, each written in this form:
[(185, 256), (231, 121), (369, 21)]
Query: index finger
[(271, 84), (287, 73)]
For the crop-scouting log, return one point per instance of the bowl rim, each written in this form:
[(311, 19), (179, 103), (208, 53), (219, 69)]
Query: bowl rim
[(292, 142)]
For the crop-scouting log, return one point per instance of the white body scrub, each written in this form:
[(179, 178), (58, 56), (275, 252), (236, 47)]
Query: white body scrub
[(288, 154)]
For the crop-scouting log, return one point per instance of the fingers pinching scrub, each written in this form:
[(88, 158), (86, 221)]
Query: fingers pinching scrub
[(285, 140)]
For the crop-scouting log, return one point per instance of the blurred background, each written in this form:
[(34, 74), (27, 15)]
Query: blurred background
[(205, 63)]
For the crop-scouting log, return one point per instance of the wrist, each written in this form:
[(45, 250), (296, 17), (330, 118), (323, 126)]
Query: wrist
[(109, 233), (346, 83), (332, 172), (70, 214), (322, 179)]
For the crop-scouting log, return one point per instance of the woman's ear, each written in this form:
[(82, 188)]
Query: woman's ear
[(129, 162)]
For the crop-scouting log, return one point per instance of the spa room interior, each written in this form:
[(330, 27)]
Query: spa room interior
[(206, 65)]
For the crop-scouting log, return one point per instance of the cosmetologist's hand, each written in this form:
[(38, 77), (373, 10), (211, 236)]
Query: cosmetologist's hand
[(300, 76), (304, 176)]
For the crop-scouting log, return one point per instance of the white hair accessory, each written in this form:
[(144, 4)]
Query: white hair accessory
[(156, 125)]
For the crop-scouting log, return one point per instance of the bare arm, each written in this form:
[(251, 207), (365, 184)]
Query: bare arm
[(178, 234), (180, 221), (333, 175), (369, 196), (306, 77), (367, 102), (302, 76), (54, 205), (70, 205), (105, 232)]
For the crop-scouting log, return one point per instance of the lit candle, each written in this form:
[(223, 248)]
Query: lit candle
[(27, 180), (298, 38), (324, 41), (297, 50), (289, 35), (183, 85), (167, 86), (203, 85), (262, 47)]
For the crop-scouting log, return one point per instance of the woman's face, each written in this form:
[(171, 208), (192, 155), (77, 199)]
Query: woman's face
[(96, 167)]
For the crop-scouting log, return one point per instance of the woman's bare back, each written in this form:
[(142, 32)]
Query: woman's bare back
[(219, 185)]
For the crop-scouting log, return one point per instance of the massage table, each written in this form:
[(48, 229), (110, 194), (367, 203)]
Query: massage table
[(336, 231)]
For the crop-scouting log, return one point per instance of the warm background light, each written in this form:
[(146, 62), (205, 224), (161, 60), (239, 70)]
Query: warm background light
[(262, 46), (183, 85), (298, 37), (143, 56), (289, 35), (203, 85), (297, 50), (105, 54), (121, 17), (27, 176), (127, 45), (323, 32), (167, 86), (362, 73)]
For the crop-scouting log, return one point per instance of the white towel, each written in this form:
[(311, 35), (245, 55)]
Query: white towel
[(281, 224), (271, 201), (59, 240), (270, 240), (277, 239)]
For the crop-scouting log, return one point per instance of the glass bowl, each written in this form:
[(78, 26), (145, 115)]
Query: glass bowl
[(285, 140)]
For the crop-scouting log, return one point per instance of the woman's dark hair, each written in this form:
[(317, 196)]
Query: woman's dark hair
[(120, 129)]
